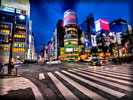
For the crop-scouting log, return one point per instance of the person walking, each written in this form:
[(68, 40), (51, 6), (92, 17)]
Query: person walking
[(11, 66)]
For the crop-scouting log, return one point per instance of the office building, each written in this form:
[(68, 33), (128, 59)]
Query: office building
[(8, 16)]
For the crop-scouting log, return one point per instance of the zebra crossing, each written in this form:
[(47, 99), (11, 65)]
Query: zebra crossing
[(93, 84)]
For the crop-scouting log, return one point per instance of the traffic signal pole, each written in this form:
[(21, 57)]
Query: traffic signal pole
[(11, 42)]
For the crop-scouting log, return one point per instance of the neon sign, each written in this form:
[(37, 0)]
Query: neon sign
[(69, 17), (8, 9)]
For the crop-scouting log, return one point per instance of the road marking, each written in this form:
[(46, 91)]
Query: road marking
[(107, 71), (116, 70), (104, 81), (81, 88), (107, 77), (41, 76), (103, 88), (101, 72), (62, 88)]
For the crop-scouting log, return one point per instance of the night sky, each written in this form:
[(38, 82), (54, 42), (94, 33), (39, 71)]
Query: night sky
[(46, 13)]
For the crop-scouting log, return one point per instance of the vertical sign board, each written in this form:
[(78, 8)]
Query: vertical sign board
[(98, 25), (93, 40), (118, 38)]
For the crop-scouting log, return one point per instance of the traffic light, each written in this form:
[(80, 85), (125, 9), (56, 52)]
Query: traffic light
[(10, 39), (41, 53)]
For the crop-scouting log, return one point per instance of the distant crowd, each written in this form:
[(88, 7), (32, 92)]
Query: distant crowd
[(123, 60)]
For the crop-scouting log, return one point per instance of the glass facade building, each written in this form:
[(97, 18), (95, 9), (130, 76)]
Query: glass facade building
[(119, 25), (8, 17)]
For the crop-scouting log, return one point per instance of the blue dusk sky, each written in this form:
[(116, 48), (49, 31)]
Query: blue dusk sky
[(46, 13)]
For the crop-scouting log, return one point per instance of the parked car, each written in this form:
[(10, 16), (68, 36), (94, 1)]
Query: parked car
[(30, 62), (53, 62), (96, 62)]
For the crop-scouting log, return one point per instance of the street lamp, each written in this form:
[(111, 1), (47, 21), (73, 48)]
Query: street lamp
[(22, 17)]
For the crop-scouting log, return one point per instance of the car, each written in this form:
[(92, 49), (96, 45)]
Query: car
[(30, 62), (70, 59), (104, 60), (88, 59), (109, 59), (53, 62), (96, 62), (18, 62)]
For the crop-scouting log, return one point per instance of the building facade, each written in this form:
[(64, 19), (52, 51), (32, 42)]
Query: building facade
[(119, 25), (71, 33), (102, 35), (19, 17)]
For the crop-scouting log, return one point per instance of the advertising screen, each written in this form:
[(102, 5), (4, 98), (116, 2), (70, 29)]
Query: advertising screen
[(102, 25), (70, 18), (20, 4), (98, 25), (93, 40), (105, 25), (69, 49)]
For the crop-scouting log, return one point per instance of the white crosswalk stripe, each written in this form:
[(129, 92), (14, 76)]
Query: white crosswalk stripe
[(41, 76), (110, 74), (65, 92), (117, 70), (106, 82), (83, 89), (111, 91), (92, 83), (120, 74), (110, 78)]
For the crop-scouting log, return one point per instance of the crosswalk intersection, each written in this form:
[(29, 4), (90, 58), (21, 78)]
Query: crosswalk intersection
[(94, 83)]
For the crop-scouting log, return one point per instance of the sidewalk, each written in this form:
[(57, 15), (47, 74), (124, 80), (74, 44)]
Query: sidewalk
[(18, 88)]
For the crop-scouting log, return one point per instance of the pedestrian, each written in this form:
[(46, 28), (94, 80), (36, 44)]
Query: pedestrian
[(1, 67), (10, 67)]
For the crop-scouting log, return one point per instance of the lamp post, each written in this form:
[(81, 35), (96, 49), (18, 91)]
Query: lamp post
[(11, 43), (11, 39)]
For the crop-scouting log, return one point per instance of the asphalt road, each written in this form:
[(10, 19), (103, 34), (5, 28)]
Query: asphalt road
[(80, 81)]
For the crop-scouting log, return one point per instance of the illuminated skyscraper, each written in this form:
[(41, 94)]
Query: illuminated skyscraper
[(21, 27), (71, 33), (102, 35)]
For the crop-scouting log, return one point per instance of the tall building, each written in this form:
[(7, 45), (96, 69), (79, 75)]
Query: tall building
[(89, 33), (88, 25), (71, 33), (21, 24), (102, 35), (31, 47), (55, 45), (119, 26), (91, 24), (60, 36)]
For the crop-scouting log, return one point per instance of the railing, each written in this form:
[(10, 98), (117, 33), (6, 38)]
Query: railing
[(4, 71)]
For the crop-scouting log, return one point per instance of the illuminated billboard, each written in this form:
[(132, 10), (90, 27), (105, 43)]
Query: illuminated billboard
[(93, 40), (98, 25), (20, 4), (69, 49), (105, 25), (70, 17), (102, 25)]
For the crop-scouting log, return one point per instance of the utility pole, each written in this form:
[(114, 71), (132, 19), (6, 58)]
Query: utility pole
[(11, 42)]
